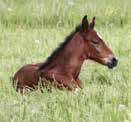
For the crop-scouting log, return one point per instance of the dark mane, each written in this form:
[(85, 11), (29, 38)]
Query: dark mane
[(60, 48)]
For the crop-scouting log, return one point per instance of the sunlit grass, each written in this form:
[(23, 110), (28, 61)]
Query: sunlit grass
[(31, 30)]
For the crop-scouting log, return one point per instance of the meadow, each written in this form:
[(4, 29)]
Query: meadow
[(31, 29)]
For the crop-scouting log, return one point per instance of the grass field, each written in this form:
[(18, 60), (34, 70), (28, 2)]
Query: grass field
[(31, 29)]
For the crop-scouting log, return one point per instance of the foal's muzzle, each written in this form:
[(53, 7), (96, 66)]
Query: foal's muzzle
[(112, 62)]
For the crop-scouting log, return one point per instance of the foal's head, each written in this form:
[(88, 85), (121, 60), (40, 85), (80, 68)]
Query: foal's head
[(95, 48)]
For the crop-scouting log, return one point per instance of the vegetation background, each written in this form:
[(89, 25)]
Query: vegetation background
[(31, 29)]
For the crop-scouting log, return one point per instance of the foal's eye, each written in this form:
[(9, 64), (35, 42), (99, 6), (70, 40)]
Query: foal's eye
[(95, 42)]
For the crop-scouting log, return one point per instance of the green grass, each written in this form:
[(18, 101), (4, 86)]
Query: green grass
[(106, 96)]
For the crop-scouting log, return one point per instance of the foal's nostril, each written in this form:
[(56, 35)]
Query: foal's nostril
[(114, 61)]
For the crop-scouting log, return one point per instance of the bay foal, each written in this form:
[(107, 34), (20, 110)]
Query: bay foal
[(63, 66)]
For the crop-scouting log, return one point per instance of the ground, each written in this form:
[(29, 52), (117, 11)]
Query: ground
[(31, 30)]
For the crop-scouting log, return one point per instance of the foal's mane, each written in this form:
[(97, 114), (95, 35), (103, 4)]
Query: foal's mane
[(60, 48)]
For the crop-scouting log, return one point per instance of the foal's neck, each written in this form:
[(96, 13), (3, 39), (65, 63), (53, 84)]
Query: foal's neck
[(74, 50), (71, 58)]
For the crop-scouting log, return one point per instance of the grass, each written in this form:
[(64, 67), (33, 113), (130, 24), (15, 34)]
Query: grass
[(31, 30)]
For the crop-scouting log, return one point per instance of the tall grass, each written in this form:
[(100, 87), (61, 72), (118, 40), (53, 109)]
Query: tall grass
[(31, 30), (39, 13)]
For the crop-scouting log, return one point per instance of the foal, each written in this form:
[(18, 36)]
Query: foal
[(64, 65)]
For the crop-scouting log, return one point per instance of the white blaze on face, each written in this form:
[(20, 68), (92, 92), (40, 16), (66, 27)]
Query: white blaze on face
[(99, 35)]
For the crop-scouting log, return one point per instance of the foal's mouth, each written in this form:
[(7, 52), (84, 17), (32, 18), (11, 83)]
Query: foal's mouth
[(111, 66)]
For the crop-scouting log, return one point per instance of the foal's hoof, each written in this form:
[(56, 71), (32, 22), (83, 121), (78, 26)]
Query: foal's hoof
[(76, 91), (80, 84)]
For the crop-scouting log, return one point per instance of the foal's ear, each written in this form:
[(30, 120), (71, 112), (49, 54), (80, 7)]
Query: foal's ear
[(85, 24), (92, 24)]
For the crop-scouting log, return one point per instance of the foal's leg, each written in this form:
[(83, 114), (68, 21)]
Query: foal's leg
[(66, 81), (60, 79), (80, 83)]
